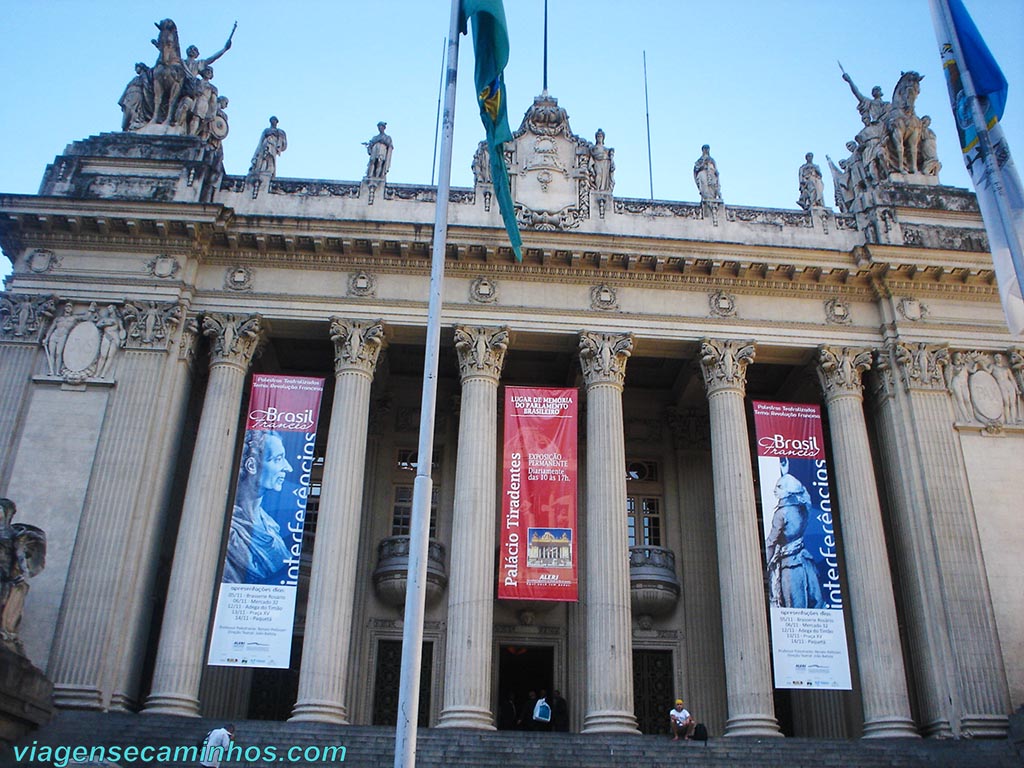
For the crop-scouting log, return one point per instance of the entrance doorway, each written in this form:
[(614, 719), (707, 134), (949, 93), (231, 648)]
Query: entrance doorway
[(386, 682), (653, 694), (522, 669)]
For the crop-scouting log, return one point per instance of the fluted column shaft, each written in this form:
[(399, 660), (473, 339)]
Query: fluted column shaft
[(467, 692), (609, 696), (325, 648), (876, 630), (744, 620), (179, 660)]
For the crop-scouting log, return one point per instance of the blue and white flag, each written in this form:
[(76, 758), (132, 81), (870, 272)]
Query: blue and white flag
[(977, 94)]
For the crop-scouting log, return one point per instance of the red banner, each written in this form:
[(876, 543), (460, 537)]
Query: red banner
[(538, 510)]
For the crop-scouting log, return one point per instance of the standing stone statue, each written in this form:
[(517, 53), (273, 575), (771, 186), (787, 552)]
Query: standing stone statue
[(273, 141), (812, 188), (22, 555), (875, 108), (482, 164), (929, 153), (604, 164), (137, 100), (705, 173), (195, 65), (379, 148)]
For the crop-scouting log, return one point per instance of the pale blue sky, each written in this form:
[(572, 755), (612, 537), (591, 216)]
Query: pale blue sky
[(755, 79)]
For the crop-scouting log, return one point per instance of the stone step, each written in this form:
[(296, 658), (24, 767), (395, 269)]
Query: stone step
[(373, 747)]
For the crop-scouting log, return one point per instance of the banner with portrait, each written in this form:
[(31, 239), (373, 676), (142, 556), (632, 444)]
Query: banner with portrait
[(538, 554), (805, 593), (255, 612)]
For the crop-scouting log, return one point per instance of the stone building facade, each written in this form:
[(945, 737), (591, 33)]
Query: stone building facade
[(148, 287)]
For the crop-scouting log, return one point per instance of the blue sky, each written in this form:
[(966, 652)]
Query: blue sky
[(757, 80)]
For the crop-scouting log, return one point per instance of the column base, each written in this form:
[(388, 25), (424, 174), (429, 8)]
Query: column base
[(938, 729), (984, 726), (467, 717), (171, 704), (752, 725), (77, 697), (319, 712), (610, 721), (122, 702), (890, 728)]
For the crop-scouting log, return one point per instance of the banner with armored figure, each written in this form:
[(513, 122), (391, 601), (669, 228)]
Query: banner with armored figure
[(801, 549), (256, 604), (538, 555)]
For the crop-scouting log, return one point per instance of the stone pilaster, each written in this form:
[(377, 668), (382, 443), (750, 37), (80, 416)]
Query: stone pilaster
[(940, 552), (325, 650), (744, 620), (234, 341), (467, 691), (703, 654), (106, 563), (875, 627), (609, 647)]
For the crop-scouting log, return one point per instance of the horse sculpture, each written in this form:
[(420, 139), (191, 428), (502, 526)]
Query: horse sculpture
[(903, 124), (168, 74)]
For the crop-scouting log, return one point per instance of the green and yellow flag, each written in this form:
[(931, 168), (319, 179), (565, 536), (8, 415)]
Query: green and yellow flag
[(490, 46)]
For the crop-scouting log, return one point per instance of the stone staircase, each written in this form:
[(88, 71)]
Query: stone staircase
[(373, 747)]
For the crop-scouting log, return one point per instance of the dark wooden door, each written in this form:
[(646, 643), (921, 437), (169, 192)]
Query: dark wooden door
[(653, 694)]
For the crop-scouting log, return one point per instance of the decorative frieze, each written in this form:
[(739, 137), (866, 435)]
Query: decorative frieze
[(481, 351), (357, 344), (724, 364), (24, 319), (603, 357)]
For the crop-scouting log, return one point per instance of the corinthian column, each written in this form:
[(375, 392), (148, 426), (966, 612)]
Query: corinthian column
[(467, 691), (325, 647), (744, 621), (179, 660), (609, 699), (875, 629)]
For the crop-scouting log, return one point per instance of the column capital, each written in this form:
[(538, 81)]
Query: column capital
[(234, 339), (481, 351), (920, 366), (603, 357), (723, 363), (839, 371), (357, 345)]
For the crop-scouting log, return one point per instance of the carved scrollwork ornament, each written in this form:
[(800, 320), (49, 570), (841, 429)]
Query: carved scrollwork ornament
[(238, 278), (362, 283), (603, 297), (840, 369), (883, 378), (481, 351), (357, 344), (603, 357), (837, 312), (483, 291), (24, 319), (234, 339), (722, 304), (723, 364)]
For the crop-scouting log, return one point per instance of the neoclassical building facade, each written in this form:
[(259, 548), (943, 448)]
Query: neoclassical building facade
[(148, 288)]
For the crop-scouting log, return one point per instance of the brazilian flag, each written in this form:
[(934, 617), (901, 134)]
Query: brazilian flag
[(490, 46)]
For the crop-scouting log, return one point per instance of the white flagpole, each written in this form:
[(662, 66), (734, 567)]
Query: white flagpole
[(419, 533), (943, 19)]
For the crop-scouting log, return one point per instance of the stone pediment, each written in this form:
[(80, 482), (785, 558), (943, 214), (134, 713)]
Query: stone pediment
[(549, 167)]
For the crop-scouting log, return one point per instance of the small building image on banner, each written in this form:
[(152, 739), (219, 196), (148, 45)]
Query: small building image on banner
[(805, 593), (538, 513), (256, 602)]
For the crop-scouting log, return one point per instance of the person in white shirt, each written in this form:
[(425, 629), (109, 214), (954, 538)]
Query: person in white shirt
[(682, 721), (215, 748)]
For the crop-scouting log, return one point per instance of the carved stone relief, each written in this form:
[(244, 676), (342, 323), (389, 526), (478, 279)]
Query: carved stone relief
[(24, 319), (81, 344), (483, 291), (603, 297), (150, 324), (722, 304), (983, 388), (912, 309), (481, 351), (357, 344), (603, 356), (920, 365), (362, 283), (840, 369), (42, 260), (724, 364), (837, 312), (163, 267), (234, 339), (238, 278)]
